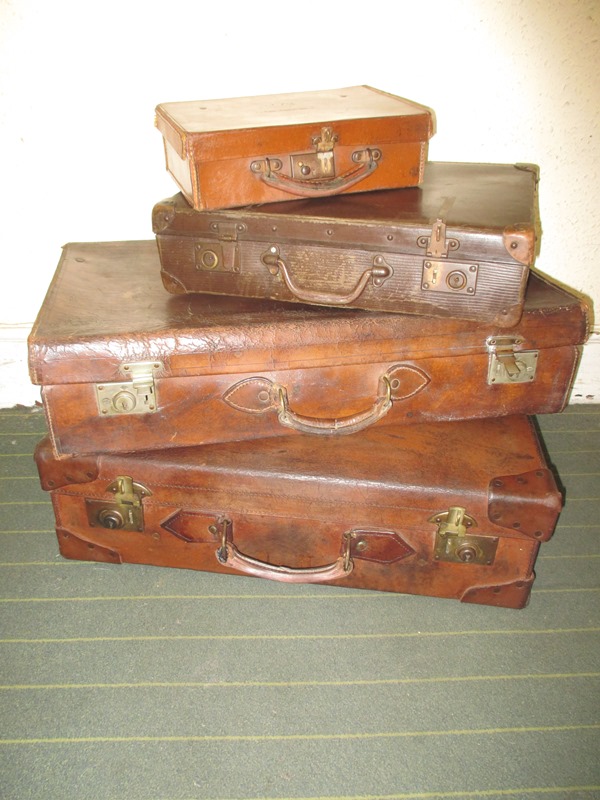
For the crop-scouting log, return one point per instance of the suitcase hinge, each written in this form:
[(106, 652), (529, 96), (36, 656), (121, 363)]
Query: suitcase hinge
[(508, 364), (124, 511), (138, 396), (455, 543)]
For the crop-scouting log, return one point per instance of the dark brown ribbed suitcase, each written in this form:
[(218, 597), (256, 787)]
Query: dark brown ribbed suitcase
[(451, 510), (243, 150), (460, 245), (124, 365)]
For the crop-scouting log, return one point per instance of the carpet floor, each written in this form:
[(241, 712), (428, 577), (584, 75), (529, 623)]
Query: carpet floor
[(140, 683)]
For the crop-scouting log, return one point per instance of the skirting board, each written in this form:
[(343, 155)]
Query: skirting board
[(16, 389)]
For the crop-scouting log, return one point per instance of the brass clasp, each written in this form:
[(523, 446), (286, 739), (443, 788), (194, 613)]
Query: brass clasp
[(455, 543)]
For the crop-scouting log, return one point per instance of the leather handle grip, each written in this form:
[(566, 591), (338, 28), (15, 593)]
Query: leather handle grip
[(340, 426), (232, 557), (318, 187), (378, 273)]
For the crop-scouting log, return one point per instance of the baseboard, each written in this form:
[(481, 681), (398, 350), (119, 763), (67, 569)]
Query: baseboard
[(16, 388)]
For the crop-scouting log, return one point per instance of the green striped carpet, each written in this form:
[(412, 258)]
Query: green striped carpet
[(138, 683)]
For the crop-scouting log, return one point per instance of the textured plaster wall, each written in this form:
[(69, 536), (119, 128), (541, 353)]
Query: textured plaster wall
[(511, 81)]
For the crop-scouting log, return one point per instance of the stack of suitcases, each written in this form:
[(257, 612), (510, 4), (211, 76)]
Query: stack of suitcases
[(323, 368)]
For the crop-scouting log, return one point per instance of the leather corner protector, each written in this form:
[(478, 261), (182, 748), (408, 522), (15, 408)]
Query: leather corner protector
[(528, 503), (72, 546), (520, 243), (57, 472), (162, 216), (384, 547), (508, 595), (406, 381), (171, 284), (253, 395)]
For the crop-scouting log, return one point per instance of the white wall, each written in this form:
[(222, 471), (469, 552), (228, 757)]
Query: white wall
[(509, 80)]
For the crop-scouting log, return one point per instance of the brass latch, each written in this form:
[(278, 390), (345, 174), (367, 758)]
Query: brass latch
[(122, 512), (136, 396), (508, 364), (455, 543), (222, 255)]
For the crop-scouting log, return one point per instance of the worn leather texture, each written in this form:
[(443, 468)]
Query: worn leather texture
[(106, 307), (297, 504), (211, 146), (459, 245)]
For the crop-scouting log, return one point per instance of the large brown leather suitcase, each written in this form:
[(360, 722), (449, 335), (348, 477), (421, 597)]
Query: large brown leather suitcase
[(126, 366), (460, 245), (452, 510), (244, 150)]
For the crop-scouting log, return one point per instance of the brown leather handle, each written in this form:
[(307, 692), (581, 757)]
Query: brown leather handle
[(229, 555), (318, 187), (343, 425), (260, 569), (378, 273)]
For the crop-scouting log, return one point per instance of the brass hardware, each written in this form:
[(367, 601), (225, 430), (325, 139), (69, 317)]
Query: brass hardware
[(267, 165), (348, 536), (454, 277), (437, 245), (122, 512), (222, 531), (320, 164), (507, 364), (456, 544), (223, 253), (135, 397)]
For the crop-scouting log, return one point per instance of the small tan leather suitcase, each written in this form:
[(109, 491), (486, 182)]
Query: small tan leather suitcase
[(453, 510), (124, 365), (460, 245), (245, 150)]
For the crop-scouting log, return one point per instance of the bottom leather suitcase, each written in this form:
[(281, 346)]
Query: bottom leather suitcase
[(453, 510)]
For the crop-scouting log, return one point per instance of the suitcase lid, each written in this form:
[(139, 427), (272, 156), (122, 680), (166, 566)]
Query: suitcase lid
[(106, 307), (247, 126), (490, 213), (493, 468)]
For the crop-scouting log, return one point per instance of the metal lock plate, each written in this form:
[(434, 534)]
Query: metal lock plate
[(507, 364), (122, 512), (223, 253), (137, 396), (320, 164), (454, 277), (456, 544), (310, 166)]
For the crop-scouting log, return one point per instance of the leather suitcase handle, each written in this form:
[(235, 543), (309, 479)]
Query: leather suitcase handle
[(378, 273), (259, 395), (260, 569), (343, 425), (228, 554), (319, 187)]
